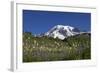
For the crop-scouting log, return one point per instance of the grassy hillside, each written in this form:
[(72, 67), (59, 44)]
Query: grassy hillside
[(49, 49)]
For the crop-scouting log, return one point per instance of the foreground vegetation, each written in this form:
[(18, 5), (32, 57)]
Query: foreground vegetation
[(49, 49)]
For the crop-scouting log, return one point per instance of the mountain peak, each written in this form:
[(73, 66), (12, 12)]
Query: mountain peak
[(62, 31)]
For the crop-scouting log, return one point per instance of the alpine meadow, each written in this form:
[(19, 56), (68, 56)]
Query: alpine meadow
[(56, 36)]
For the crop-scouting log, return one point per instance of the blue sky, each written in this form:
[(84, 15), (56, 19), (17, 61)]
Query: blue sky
[(41, 21)]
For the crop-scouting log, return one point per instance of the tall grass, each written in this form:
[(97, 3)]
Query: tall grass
[(49, 49)]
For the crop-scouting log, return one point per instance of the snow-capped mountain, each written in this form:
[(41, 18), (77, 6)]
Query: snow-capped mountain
[(62, 31)]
